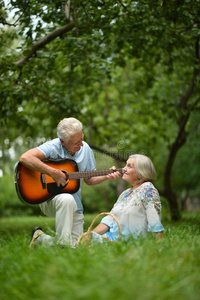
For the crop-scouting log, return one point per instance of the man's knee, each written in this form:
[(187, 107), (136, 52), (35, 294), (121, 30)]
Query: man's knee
[(67, 201)]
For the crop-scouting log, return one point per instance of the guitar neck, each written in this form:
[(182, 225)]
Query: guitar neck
[(89, 174)]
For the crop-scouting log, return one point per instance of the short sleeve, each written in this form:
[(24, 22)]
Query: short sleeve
[(108, 220)]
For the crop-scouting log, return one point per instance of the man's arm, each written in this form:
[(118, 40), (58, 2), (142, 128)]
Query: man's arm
[(96, 180), (32, 159)]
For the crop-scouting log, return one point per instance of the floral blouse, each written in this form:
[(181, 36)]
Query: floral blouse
[(138, 211)]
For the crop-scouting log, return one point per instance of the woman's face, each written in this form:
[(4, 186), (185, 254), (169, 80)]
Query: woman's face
[(130, 173)]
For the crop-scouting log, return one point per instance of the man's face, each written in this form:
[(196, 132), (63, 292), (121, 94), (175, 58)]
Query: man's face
[(74, 144)]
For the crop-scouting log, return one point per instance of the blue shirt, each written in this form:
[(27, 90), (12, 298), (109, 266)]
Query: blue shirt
[(84, 158)]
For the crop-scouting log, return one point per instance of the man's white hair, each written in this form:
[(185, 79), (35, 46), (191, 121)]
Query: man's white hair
[(68, 127)]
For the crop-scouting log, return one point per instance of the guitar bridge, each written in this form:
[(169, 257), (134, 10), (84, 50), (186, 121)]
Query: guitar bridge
[(43, 181)]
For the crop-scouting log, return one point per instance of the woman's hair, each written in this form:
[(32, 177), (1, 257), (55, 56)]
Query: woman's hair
[(144, 167), (68, 127)]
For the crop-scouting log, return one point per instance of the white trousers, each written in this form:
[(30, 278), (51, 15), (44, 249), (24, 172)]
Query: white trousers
[(68, 223)]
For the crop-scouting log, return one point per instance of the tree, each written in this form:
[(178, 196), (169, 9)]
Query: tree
[(72, 58)]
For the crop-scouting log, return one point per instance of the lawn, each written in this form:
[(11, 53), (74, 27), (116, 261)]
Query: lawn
[(142, 269)]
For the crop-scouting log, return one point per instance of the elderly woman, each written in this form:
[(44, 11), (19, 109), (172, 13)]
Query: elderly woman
[(138, 209)]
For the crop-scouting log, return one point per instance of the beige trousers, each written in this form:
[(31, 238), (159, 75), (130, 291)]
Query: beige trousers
[(68, 223)]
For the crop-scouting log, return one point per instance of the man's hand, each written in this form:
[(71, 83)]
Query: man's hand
[(33, 159), (114, 175), (96, 180), (59, 177)]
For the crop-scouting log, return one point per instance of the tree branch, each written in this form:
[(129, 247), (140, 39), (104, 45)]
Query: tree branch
[(187, 94), (43, 42), (67, 10), (109, 153)]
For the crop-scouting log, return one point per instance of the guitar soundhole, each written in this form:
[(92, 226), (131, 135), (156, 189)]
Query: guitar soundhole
[(66, 175)]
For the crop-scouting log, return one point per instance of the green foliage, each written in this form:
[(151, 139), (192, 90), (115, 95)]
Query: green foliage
[(99, 198), (7, 191), (188, 177), (10, 205), (74, 67), (145, 269), (122, 70)]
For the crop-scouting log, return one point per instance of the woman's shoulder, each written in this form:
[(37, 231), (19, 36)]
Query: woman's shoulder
[(148, 186)]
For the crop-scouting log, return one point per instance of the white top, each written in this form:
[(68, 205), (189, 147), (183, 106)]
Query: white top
[(138, 211)]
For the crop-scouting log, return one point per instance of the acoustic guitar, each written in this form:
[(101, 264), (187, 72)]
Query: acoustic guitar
[(34, 187)]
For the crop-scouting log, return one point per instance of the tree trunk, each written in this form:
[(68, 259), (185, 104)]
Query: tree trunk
[(173, 205), (180, 139)]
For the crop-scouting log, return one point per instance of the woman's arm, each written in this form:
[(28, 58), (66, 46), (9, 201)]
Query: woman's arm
[(101, 228)]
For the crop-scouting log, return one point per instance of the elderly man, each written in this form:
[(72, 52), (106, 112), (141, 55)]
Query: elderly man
[(66, 208)]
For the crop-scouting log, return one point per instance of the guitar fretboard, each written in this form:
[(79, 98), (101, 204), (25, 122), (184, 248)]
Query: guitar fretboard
[(88, 174)]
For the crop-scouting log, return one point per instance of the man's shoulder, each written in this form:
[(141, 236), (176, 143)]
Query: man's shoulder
[(51, 149), (52, 142), (55, 141)]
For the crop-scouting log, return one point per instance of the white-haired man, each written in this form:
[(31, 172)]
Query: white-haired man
[(66, 208)]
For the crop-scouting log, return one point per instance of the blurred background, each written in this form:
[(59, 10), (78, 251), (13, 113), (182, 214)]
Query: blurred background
[(129, 71)]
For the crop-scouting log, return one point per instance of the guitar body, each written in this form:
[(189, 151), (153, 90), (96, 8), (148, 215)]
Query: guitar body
[(34, 187)]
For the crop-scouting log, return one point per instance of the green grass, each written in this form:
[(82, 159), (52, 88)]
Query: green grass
[(143, 269)]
